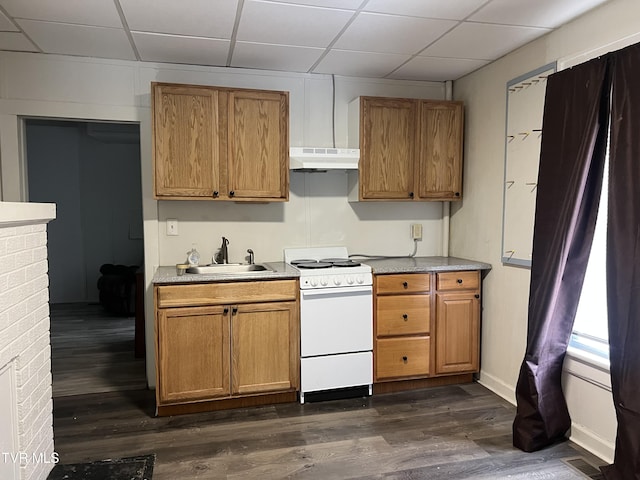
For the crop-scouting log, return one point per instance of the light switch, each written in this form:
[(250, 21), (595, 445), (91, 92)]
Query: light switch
[(172, 227)]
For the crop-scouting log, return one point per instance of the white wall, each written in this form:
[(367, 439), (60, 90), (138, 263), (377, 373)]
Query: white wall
[(25, 352), (476, 224), (318, 212)]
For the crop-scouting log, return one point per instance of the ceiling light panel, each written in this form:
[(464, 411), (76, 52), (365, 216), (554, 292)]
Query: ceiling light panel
[(482, 41), (436, 69), (16, 42), (155, 47), (99, 13), (6, 25), (343, 4), (196, 18), (288, 24), (275, 57), (360, 64), (373, 32), (541, 13), (447, 9), (67, 39)]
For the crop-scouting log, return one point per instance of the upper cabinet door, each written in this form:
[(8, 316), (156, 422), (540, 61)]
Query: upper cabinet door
[(258, 147), (387, 143), (440, 152), (186, 141)]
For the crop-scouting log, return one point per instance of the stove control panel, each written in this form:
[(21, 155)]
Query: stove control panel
[(336, 280)]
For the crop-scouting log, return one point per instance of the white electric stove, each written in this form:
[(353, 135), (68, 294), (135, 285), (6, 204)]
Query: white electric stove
[(336, 319)]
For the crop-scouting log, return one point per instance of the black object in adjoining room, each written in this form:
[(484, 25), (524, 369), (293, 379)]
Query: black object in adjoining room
[(117, 287)]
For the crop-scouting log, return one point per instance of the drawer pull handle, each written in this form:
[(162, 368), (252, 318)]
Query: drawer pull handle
[(405, 316), (404, 359), (405, 284), (459, 280)]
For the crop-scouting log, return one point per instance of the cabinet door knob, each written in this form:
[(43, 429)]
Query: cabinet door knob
[(232, 193), (457, 194), (216, 193), (405, 316), (477, 296), (404, 359), (410, 194), (225, 311), (405, 284), (459, 280), (234, 310)]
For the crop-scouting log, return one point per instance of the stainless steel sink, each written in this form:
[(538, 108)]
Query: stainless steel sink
[(235, 268)]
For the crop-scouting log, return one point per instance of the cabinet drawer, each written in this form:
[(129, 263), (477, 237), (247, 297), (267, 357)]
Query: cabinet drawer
[(402, 315), (405, 283), (225, 293), (459, 280), (402, 357)]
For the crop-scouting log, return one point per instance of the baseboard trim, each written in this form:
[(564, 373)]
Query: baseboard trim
[(508, 392), (587, 439)]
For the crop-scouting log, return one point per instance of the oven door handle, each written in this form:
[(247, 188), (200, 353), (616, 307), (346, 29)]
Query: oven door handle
[(337, 290)]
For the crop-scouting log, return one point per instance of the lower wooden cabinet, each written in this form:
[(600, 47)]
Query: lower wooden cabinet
[(216, 352), (426, 325)]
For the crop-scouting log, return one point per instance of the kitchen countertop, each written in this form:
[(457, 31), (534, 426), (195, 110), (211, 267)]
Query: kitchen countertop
[(422, 264), (280, 270)]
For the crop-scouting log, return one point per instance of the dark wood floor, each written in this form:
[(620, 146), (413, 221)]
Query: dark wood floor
[(452, 432), (92, 351)]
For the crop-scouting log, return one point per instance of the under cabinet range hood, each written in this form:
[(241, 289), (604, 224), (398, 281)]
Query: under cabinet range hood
[(313, 159)]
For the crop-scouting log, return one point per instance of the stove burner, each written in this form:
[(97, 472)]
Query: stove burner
[(347, 263), (303, 260), (314, 265), (341, 262)]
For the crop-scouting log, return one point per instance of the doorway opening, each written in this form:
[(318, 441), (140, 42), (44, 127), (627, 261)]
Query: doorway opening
[(91, 171)]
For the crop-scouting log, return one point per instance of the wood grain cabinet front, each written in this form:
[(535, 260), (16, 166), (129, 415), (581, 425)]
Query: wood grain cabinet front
[(458, 322), (215, 143), (402, 326), (427, 327), (410, 149), (226, 351)]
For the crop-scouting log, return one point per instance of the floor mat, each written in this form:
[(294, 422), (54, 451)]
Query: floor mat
[(130, 468)]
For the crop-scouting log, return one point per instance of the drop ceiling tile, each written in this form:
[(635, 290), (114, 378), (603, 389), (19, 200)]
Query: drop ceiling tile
[(156, 47), (374, 32), (16, 42), (482, 41), (453, 10), (343, 4), (541, 13), (436, 69), (359, 64), (274, 57), (6, 25), (84, 12), (287, 24), (67, 39), (196, 18)]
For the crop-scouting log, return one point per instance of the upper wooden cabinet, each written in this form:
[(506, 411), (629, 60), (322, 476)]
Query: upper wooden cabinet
[(215, 143), (410, 149)]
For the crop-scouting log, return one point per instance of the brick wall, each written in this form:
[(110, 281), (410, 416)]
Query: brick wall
[(25, 341)]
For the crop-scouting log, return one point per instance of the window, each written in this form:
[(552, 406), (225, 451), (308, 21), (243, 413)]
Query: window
[(590, 329)]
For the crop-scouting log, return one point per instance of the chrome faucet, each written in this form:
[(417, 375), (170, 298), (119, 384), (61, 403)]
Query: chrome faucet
[(251, 257)]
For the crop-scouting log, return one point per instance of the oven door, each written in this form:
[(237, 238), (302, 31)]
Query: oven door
[(336, 320)]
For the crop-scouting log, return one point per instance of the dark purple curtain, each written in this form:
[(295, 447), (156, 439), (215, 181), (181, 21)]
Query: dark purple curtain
[(575, 125), (623, 261)]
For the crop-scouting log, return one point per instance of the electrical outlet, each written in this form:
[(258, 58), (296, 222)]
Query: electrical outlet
[(416, 231), (172, 227)]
